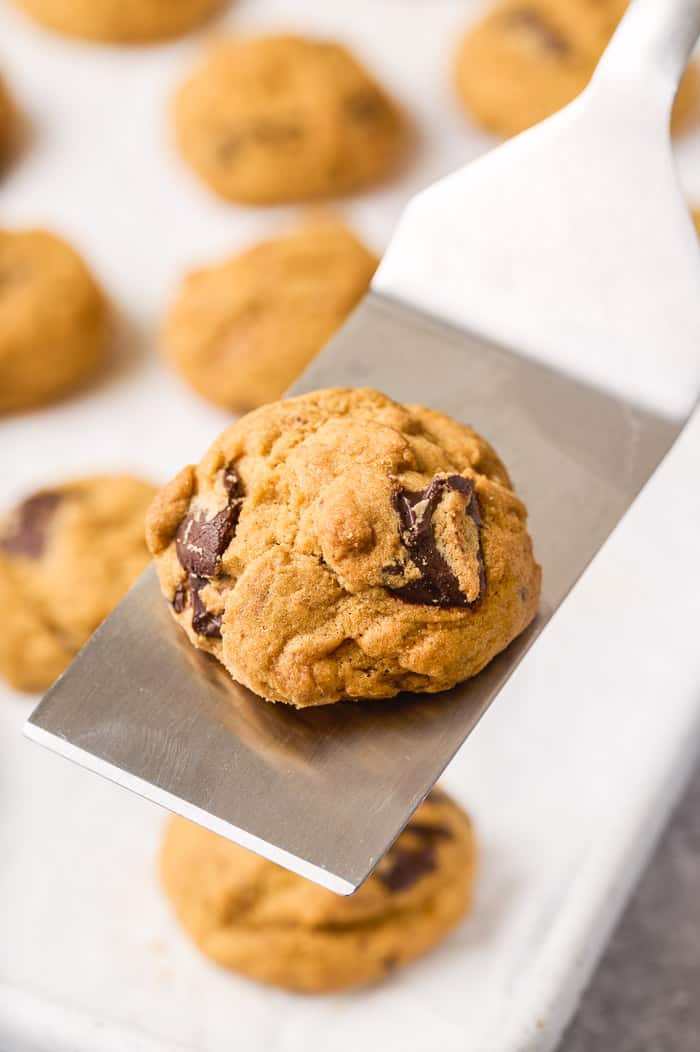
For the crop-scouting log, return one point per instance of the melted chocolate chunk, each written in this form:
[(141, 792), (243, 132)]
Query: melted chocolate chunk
[(532, 22), (200, 542), (408, 864), (29, 526), (204, 623), (437, 584)]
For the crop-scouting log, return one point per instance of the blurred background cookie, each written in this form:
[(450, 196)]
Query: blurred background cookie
[(7, 123), (67, 555), (286, 118), (241, 331), (252, 917), (53, 319), (696, 218), (528, 58), (121, 21)]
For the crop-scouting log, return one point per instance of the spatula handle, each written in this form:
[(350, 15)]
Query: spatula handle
[(653, 42)]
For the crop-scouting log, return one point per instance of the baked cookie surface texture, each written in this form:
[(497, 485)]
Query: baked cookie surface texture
[(286, 118), (242, 331), (253, 917), (67, 555), (340, 545), (54, 319)]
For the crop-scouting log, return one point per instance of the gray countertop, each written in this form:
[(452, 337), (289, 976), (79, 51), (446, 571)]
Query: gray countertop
[(645, 996)]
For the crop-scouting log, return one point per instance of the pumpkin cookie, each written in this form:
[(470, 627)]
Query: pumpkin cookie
[(253, 917), (340, 545), (529, 58), (286, 118), (243, 330), (53, 319), (67, 556), (121, 21)]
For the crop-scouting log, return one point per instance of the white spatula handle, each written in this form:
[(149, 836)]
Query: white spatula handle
[(654, 40)]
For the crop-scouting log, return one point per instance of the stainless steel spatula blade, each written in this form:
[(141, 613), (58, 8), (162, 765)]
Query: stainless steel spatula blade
[(548, 295)]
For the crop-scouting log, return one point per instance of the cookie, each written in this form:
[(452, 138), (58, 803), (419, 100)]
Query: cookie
[(67, 556), (253, 917), (529, 58), (7, 123), (242, 331), (121, 21), (340, 545), (286, 118), (696, 218), (53, 319)]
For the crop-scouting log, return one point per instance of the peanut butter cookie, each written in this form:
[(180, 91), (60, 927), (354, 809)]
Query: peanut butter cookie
[(252, 917), (243, 330), (67, 556), (529, 58), (286, 118), (340, 545), (121, 21), (53, 319)]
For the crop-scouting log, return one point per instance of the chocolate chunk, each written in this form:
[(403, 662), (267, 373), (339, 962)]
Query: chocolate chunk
[(204, 623), (180, 598), (408, 866), (200, 542), (540, 31), (437, 584), (365, 106), (29, 524)]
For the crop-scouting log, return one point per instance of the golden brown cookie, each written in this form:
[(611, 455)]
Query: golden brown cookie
[(67, 556), (340, 545), (7, 123), (286, 118), (529, 58), (696, 218), (53, 319), (121, 21), (252, 917), (243, 330)]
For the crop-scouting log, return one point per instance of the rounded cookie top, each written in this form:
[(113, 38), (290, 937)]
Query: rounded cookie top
[(243, 330), (529, 58), (53, 319), (286, 118), (121, 21), (340, 545), (67, 555), (253, 917)]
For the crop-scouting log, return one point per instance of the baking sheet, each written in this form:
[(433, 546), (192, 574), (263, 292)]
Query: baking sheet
[(569, 777)]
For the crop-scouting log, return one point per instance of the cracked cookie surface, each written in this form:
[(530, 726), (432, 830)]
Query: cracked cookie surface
[(242, 331), (121, 21), (340, 545), (529, 58), (253, 917), (53, 319), (286, 118), (67, 555)]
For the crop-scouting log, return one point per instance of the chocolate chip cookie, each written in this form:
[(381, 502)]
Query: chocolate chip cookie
[(53, 319), (529, 58), (252, 917), (340, 545), (286, 118), (121, 21), (67, 556), (243, 330), (7, 123)]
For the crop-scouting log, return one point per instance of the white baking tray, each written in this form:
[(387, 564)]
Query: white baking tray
[(570, 776)]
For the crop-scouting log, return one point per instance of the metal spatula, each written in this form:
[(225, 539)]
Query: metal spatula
[(549, 295)]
